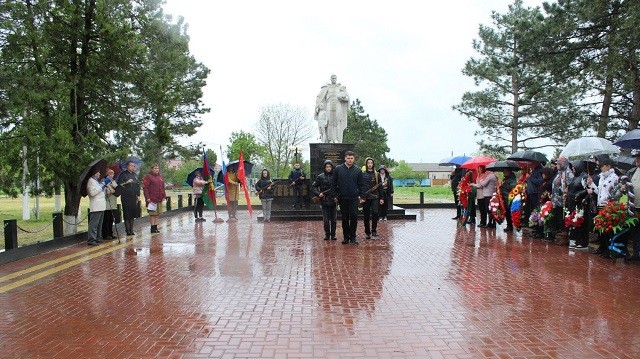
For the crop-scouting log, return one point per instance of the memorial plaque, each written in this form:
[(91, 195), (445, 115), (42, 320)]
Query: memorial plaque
[(320, 152)]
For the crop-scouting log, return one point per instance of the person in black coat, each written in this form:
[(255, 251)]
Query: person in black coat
[(129, 196), (321, 189), (576, 193), (456, 177), (387, 191), (297, 176), (347, 184), (372, 198)]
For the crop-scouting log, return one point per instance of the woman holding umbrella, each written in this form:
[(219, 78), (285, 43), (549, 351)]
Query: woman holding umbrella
[(198, 185), (130, 196), (485, 185), (97, 206)]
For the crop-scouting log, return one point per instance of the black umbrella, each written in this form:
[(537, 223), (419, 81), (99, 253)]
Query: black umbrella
[(503, 165), (630, 139), (248, 166), (529, 156), (98, 165), (192, 175)]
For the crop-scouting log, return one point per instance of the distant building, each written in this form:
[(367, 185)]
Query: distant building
[(174, 164), (436, 175)]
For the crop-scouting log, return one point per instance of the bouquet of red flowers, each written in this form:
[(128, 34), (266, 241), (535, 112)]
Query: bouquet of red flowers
[(464, 188), (574, 219), (613, 217), (497, 207)]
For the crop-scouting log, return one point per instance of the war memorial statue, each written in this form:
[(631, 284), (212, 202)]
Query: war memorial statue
[(332, 105)]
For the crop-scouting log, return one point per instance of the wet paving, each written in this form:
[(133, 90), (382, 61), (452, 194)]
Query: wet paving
[(423, 289)]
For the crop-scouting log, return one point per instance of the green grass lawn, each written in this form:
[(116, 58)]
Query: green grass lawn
[(35, 230)]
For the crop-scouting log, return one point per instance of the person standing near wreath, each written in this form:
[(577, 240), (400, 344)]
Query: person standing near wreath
[(130, 196), (154, 195)]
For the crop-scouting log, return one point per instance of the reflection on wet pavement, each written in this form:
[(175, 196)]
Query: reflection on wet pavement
[(425, 288)]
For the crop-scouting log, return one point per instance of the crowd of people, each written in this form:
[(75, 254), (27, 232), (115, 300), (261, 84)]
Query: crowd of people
[(102, 192), (562, 203)]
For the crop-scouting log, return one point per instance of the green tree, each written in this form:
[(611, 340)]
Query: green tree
[(252, 150), (519, 100), (71, 72), (595, 42), (369, 137), (403, 171), (168, 89)]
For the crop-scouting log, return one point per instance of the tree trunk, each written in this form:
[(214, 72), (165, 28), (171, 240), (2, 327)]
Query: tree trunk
[(71, 207), (603, 120), (514, 119), (634, 117)]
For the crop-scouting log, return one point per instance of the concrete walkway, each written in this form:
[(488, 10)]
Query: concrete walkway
[(423, 289)]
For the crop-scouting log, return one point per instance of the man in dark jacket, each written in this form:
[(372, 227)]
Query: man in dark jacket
[(297, 180), (372, 198), (321, 189), (506, 185), (456, 177), (347, 184)]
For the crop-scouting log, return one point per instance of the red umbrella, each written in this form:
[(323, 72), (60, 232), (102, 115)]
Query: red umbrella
[(473, 163)]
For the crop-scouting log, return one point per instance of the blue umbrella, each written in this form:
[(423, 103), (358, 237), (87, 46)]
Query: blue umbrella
[(455, 161), (192, 175), (630, 139)]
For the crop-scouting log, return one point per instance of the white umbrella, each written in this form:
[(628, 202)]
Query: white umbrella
[(589, 146)]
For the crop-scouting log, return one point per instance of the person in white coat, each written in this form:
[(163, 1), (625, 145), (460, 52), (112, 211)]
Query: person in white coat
[(97, 206)]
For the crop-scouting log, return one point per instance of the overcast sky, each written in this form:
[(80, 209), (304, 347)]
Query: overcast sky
[(402, 59)]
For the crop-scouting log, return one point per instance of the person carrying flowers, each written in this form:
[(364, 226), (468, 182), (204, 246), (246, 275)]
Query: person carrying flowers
[(576, 193), (608, 180)]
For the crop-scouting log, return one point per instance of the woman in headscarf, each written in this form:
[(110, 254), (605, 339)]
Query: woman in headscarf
[(265, 193)]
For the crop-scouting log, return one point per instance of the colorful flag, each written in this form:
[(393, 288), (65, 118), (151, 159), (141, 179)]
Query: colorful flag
[(208, 191), (242, 177)]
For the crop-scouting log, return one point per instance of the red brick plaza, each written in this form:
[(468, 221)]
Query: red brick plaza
[(423, 289)]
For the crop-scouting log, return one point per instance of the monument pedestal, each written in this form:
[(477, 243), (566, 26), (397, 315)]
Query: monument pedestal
[(320, 152)]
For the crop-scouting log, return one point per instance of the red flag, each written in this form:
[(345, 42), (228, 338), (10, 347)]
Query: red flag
[(208, 192), (242, 177)]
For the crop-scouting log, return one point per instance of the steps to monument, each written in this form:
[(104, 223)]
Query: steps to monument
[(315, 214)]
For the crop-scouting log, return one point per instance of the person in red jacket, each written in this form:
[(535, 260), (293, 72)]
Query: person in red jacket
[(154, 195)]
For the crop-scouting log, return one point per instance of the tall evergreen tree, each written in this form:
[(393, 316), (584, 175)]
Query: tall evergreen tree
[(369, 137), (519, 100)]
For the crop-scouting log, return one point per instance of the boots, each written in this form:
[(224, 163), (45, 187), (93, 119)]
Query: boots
[(327, 230), (154, 229), (333, 230)]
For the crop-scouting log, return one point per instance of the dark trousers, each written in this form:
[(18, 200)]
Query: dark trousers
[(107, 223), (507, 214), (370, 212), (456, 200), (349, 214), (482, 206), (532, 202), (558, 219), (297, 196), (329, 219), (199, 206)]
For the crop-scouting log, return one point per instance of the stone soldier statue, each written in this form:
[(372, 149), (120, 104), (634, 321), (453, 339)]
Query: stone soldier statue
[(331, 109)]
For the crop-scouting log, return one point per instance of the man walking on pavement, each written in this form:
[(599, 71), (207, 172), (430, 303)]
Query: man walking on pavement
[(347, 184)]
